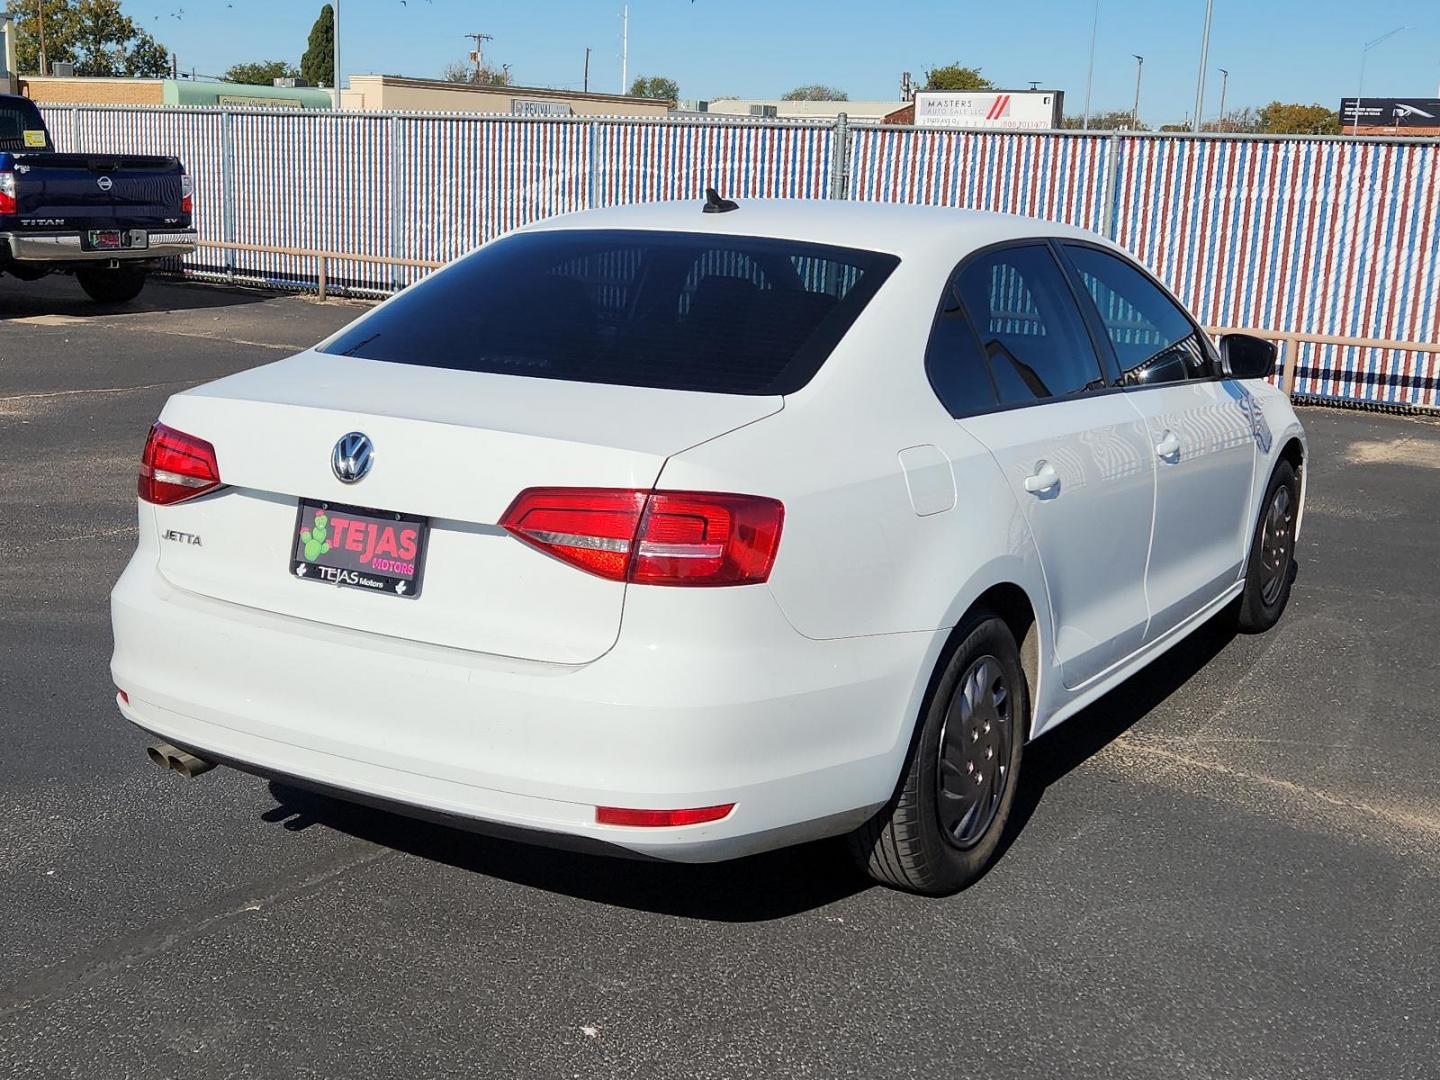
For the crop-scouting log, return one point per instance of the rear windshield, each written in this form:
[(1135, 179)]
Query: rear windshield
[(16, 118), (680, 311)]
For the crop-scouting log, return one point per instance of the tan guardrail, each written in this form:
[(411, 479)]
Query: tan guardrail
[(1289, 342), (323, 258)]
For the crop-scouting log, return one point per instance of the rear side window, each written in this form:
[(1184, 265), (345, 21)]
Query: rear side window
[(16, 118), (1029, 327), (1154, 341), (956, 366), (724, 314)]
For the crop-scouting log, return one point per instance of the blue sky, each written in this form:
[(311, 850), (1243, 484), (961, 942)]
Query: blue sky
[(1287, 49)]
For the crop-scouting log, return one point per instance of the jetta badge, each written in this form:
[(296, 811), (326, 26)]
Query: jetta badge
[(104, 183), (352, 457)]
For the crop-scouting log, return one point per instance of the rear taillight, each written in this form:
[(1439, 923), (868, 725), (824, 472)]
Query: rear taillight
[(187, 194), (176, 466), (652, 538), (7, 193)]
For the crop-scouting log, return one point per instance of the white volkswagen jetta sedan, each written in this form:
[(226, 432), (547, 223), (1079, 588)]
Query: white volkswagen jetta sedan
[(694, 531)]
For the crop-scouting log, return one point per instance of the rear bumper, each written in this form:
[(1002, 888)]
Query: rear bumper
[(66, 247), (806, 738)]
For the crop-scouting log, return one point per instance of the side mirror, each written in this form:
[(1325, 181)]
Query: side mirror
[(1246, 357)]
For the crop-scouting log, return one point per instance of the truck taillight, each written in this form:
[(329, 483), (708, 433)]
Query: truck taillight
[(652, 537), (187, 194), (176, 466), (7, 193)]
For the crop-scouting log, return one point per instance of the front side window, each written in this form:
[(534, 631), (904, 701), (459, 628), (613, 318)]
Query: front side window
[(681, 311), (1154, 341), (1029, 327)]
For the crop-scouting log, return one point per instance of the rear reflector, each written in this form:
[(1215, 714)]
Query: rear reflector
[(651, 819), (652, 538), (123, 696), (176, 466)]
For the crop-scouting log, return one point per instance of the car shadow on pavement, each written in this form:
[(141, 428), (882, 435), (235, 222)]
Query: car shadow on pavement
[(1058, 752), (754, 889), (59, 295)]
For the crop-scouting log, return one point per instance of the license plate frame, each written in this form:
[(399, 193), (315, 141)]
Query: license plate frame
[(343, 565), (117, 240)]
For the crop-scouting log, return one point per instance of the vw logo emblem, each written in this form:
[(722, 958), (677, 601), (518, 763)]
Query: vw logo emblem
[(352, 457), (104, 183)]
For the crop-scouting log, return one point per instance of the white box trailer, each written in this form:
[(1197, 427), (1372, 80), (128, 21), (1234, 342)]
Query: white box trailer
[(1000, 110)]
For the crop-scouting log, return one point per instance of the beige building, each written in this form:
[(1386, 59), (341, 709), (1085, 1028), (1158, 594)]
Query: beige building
[(85, 90), (396, 93), (869, 111)]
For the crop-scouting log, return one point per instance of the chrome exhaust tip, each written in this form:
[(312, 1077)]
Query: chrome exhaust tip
[(177, 760)]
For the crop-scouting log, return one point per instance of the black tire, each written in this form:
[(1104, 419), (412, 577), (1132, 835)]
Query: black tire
[(112, 286), (926, 840), (1271, 567)]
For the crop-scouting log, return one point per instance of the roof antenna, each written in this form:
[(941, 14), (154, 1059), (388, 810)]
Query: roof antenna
[(714, 204)]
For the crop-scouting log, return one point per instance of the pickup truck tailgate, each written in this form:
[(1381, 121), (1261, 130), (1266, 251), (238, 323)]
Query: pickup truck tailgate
[(101, 189)]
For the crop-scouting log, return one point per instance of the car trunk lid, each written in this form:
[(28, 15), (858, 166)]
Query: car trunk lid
[(98, 190), (452, 447)]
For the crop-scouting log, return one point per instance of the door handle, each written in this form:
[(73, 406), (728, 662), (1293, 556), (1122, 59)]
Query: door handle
[(1044, 479), (1169, 446)]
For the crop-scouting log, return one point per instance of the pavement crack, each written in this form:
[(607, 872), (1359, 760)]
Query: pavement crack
[(70, 975), (1425, 824), (95, 390)]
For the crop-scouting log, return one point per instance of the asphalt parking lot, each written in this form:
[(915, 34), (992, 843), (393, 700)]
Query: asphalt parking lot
[(1228, 868)]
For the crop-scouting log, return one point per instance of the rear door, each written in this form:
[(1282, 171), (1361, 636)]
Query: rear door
[(1200, 433), (1076, 453)]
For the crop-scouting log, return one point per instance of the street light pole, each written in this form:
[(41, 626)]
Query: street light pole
[(1204, 58), (1135, 112), (1224, 82), (335, 58), (1090, 76), (1364, 55)]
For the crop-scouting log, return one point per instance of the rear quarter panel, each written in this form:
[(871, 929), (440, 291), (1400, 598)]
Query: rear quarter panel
[(857, 556)]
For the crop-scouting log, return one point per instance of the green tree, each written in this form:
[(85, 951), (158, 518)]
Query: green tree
[(956, 77), (815, 92), (1115, 120), (317, 66), (1280, 118), (655, 86), (95, 35), (462, 72), (260, 72)]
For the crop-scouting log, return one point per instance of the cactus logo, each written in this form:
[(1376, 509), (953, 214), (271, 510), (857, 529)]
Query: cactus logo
[(314, 537)]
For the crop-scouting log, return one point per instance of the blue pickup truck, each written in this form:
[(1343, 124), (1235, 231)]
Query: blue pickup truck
[(106, 218)]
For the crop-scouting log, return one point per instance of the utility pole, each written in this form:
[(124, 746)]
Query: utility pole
[(1224, 82), (1090, 75), (1204, 59), (587, 69), (335, 55), (40, 14), (1135, 112), (625, 49), (174, 65), (479, 54)]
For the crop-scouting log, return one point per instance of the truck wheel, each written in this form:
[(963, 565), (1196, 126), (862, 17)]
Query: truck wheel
[(940, 831), (112, 286)]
